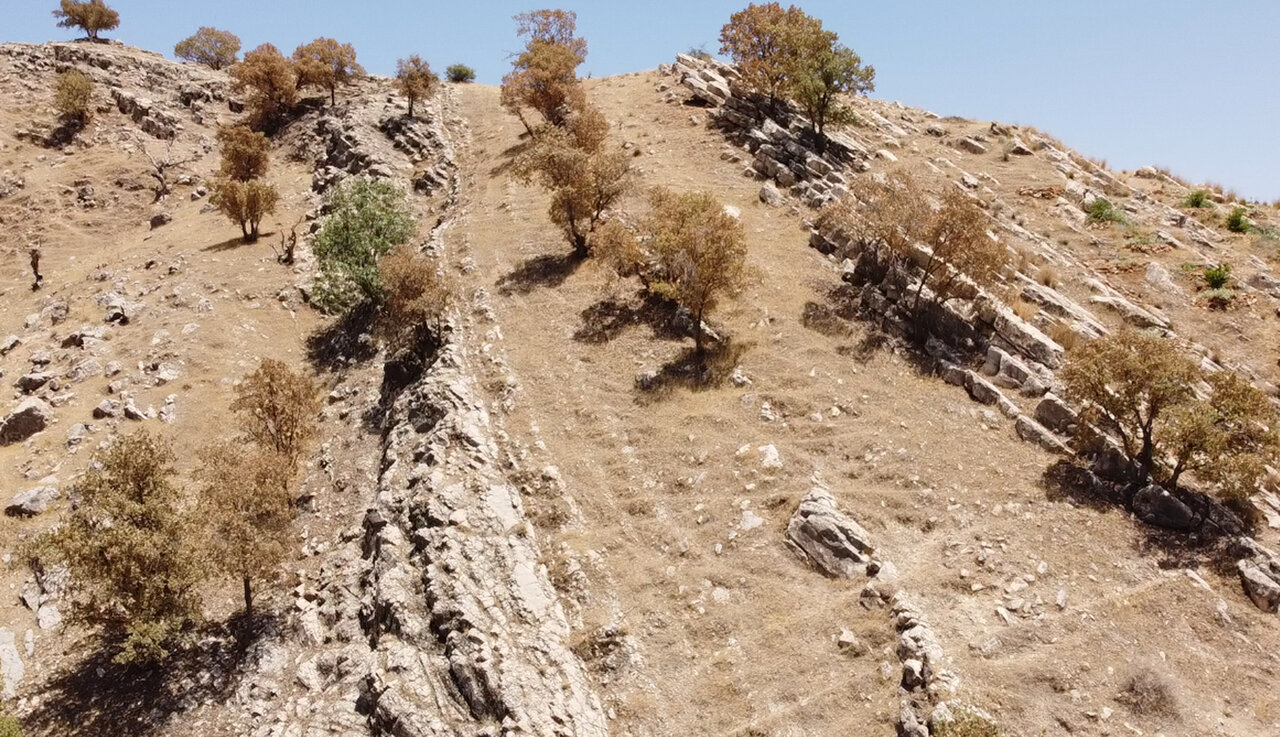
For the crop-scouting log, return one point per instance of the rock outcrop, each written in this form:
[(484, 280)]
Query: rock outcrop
[(834, 543)]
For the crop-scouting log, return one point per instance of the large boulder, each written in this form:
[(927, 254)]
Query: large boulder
[(1156, 506), (835, 544), (31, 417), (12, 670), (32, 502), (1260, 574)]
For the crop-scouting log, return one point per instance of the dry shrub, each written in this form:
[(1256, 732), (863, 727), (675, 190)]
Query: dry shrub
[(415, 295), (245, 153), (279, 408), (1065, 336), (1048, 276), (272, 83), (967, 724), (1149, 692), (1023, 308), (72, 96)]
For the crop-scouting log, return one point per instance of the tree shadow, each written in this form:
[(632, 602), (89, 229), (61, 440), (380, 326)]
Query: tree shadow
[(96, 696), (345, 341), (605, 320), (1071, 481), (510, 155), (692, 371), (548, 270), (232, 244)]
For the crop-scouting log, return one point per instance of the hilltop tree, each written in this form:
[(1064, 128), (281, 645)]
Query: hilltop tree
[(819, 81), (367, 218), (415, 80), (246, 203), (279, 408), (209, 46), (133, 573), (93, 16), (460, 73), (245, 153), (544, 76), (246, 506), (585, 179), (326, 63), (272, 84), (769, 44)]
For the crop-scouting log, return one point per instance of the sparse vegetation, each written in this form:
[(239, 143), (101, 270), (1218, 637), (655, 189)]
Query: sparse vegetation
[(272, 84), (9, 726), (327, 64), (367, 218), (73, 96), (415, 80), (133, 576), (246, 203), (968, 724), (460, 73), (1048, 276), (1065, 336), (1023, 309), (1237, 222), (92, 16), (1149, 693), (209, 46), (1100, 210), (1198, 198), (1216, 277)]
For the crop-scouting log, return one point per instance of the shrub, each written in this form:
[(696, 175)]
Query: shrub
[(245, 153), (209, 46), (1065, 336), (1218, 299), (460, 73), (367, 218), (1048, 276), (1102, 211), (279, 408), (91, 15), (10, 727), (272, 84), (967, 724), (1023, 309), (415, 80), (1216, 277), (133, 574), (72, 96), (415, 295), (246, 203), (1149, 693), (1198, 198), (1237, 222), (959, 246), (326, 63)]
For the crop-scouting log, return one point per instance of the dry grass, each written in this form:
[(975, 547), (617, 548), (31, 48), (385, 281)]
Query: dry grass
[(1063, 335), (1023, 309), (1049, 276), (1149, 692)]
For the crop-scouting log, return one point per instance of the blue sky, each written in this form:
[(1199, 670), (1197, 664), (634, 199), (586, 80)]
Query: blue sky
[(1194, 86)]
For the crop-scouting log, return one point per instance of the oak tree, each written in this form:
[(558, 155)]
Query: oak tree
[(415, 80), (246, 204), (415, 296), (326, 63), (93, 16), (279, 408), (544, 76), (821, 78), (245, 153), (768, 44), (958, 246), (272, 84), (133, 572), (209, 46)]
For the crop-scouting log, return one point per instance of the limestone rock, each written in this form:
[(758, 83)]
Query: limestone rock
[(30, 417), (835, 544), (12, 670), (32, 502)]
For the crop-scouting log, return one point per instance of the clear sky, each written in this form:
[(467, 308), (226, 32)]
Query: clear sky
[(1192, 85)]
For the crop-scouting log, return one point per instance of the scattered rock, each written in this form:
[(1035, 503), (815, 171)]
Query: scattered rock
[(770, 195), (31, 417), (970, 145), (11, 668), (835, 544), (160, 220)]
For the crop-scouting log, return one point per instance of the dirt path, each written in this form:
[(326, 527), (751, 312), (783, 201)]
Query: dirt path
[(733, 634)]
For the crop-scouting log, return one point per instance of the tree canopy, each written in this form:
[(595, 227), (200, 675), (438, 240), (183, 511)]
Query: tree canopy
[(93, 16), (209, 46), (415, 80), (327, 64)]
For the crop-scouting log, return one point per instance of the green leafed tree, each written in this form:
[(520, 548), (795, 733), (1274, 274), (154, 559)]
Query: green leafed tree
[(460, 73), (209, 46), (92, 16), (822, 79), (367, 218), (134, 573)]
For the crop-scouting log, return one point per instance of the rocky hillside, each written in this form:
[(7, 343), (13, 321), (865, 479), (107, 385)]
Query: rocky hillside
[(843, 535)]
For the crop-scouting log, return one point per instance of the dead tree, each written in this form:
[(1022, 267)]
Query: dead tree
[(287, 245), (160, 170), (37, 277)]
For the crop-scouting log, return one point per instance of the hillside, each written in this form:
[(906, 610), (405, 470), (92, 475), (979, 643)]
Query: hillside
[(558, 528)]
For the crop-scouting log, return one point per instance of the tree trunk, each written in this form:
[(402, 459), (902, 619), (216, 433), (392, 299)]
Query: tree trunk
[(697, 333), (410, 107), (248, 598), (333, 96)]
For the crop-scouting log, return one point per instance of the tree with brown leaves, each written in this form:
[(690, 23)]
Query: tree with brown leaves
[(245, 153), (91, 15), (327, 64), (272, 84), (246, 204), (209, 46), (415, 80), (279, 408), (247, 511), (959, 246), (768, 45), (544, 76), (415, 296)]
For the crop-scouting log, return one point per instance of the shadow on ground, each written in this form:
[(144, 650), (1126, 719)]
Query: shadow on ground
[(344, 342), (546, 271), (232, 244), (607, 319), (99, 698), (692, 371)]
